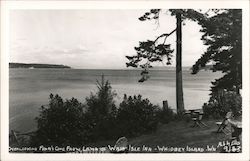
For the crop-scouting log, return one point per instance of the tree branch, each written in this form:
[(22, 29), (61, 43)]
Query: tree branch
[(166, 35)]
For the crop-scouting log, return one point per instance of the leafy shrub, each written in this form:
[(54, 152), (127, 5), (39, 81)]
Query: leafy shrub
[(102, 103), (62, 123), (165, 115), (136, 116), (222, 102), (101, 107)]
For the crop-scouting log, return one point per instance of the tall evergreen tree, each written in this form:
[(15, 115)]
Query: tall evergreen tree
[(223, 35)]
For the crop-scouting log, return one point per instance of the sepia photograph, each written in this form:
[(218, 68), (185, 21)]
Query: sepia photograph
[(124, 81)]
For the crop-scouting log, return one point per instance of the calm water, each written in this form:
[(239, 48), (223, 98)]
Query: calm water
[(30, 88)]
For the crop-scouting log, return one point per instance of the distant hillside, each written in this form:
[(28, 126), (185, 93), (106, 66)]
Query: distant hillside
[(23, 65)]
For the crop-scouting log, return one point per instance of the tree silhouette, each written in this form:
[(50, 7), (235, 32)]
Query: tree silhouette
[(223, 35)]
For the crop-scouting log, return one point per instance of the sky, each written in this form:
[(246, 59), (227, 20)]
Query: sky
[(93, 39)]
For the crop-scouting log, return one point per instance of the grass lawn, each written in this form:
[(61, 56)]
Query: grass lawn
[(175, 137), (180, 135)]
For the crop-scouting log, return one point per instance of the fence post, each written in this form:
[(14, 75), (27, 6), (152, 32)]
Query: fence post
[(165, 105)]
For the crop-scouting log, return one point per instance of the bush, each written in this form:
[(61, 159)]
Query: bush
[(62, 123), (222, 102), (101, 107), (102, 104), (136, 116), (165, 115)]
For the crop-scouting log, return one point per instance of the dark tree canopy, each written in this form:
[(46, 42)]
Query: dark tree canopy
[(223, 35)]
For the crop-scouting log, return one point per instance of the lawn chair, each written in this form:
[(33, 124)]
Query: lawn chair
[(197, 120), (236, 129), (121, 145), (222, 125), (13, 137)]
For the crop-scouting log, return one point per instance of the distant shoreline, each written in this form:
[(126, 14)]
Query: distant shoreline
[(31, 66), (35, 65)]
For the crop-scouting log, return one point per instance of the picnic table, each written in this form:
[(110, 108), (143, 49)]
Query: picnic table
[(191, 111), (196, 115)]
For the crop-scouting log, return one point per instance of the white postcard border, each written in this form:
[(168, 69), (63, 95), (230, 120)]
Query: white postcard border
[(7, 6)]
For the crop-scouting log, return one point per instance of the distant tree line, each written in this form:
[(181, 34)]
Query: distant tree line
[(23, 65)]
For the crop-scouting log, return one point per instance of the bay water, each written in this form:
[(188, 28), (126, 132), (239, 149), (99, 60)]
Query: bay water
[(29, 89)]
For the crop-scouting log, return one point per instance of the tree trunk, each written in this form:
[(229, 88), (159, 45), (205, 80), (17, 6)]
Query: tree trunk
[(237, 78), (179, 88)]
